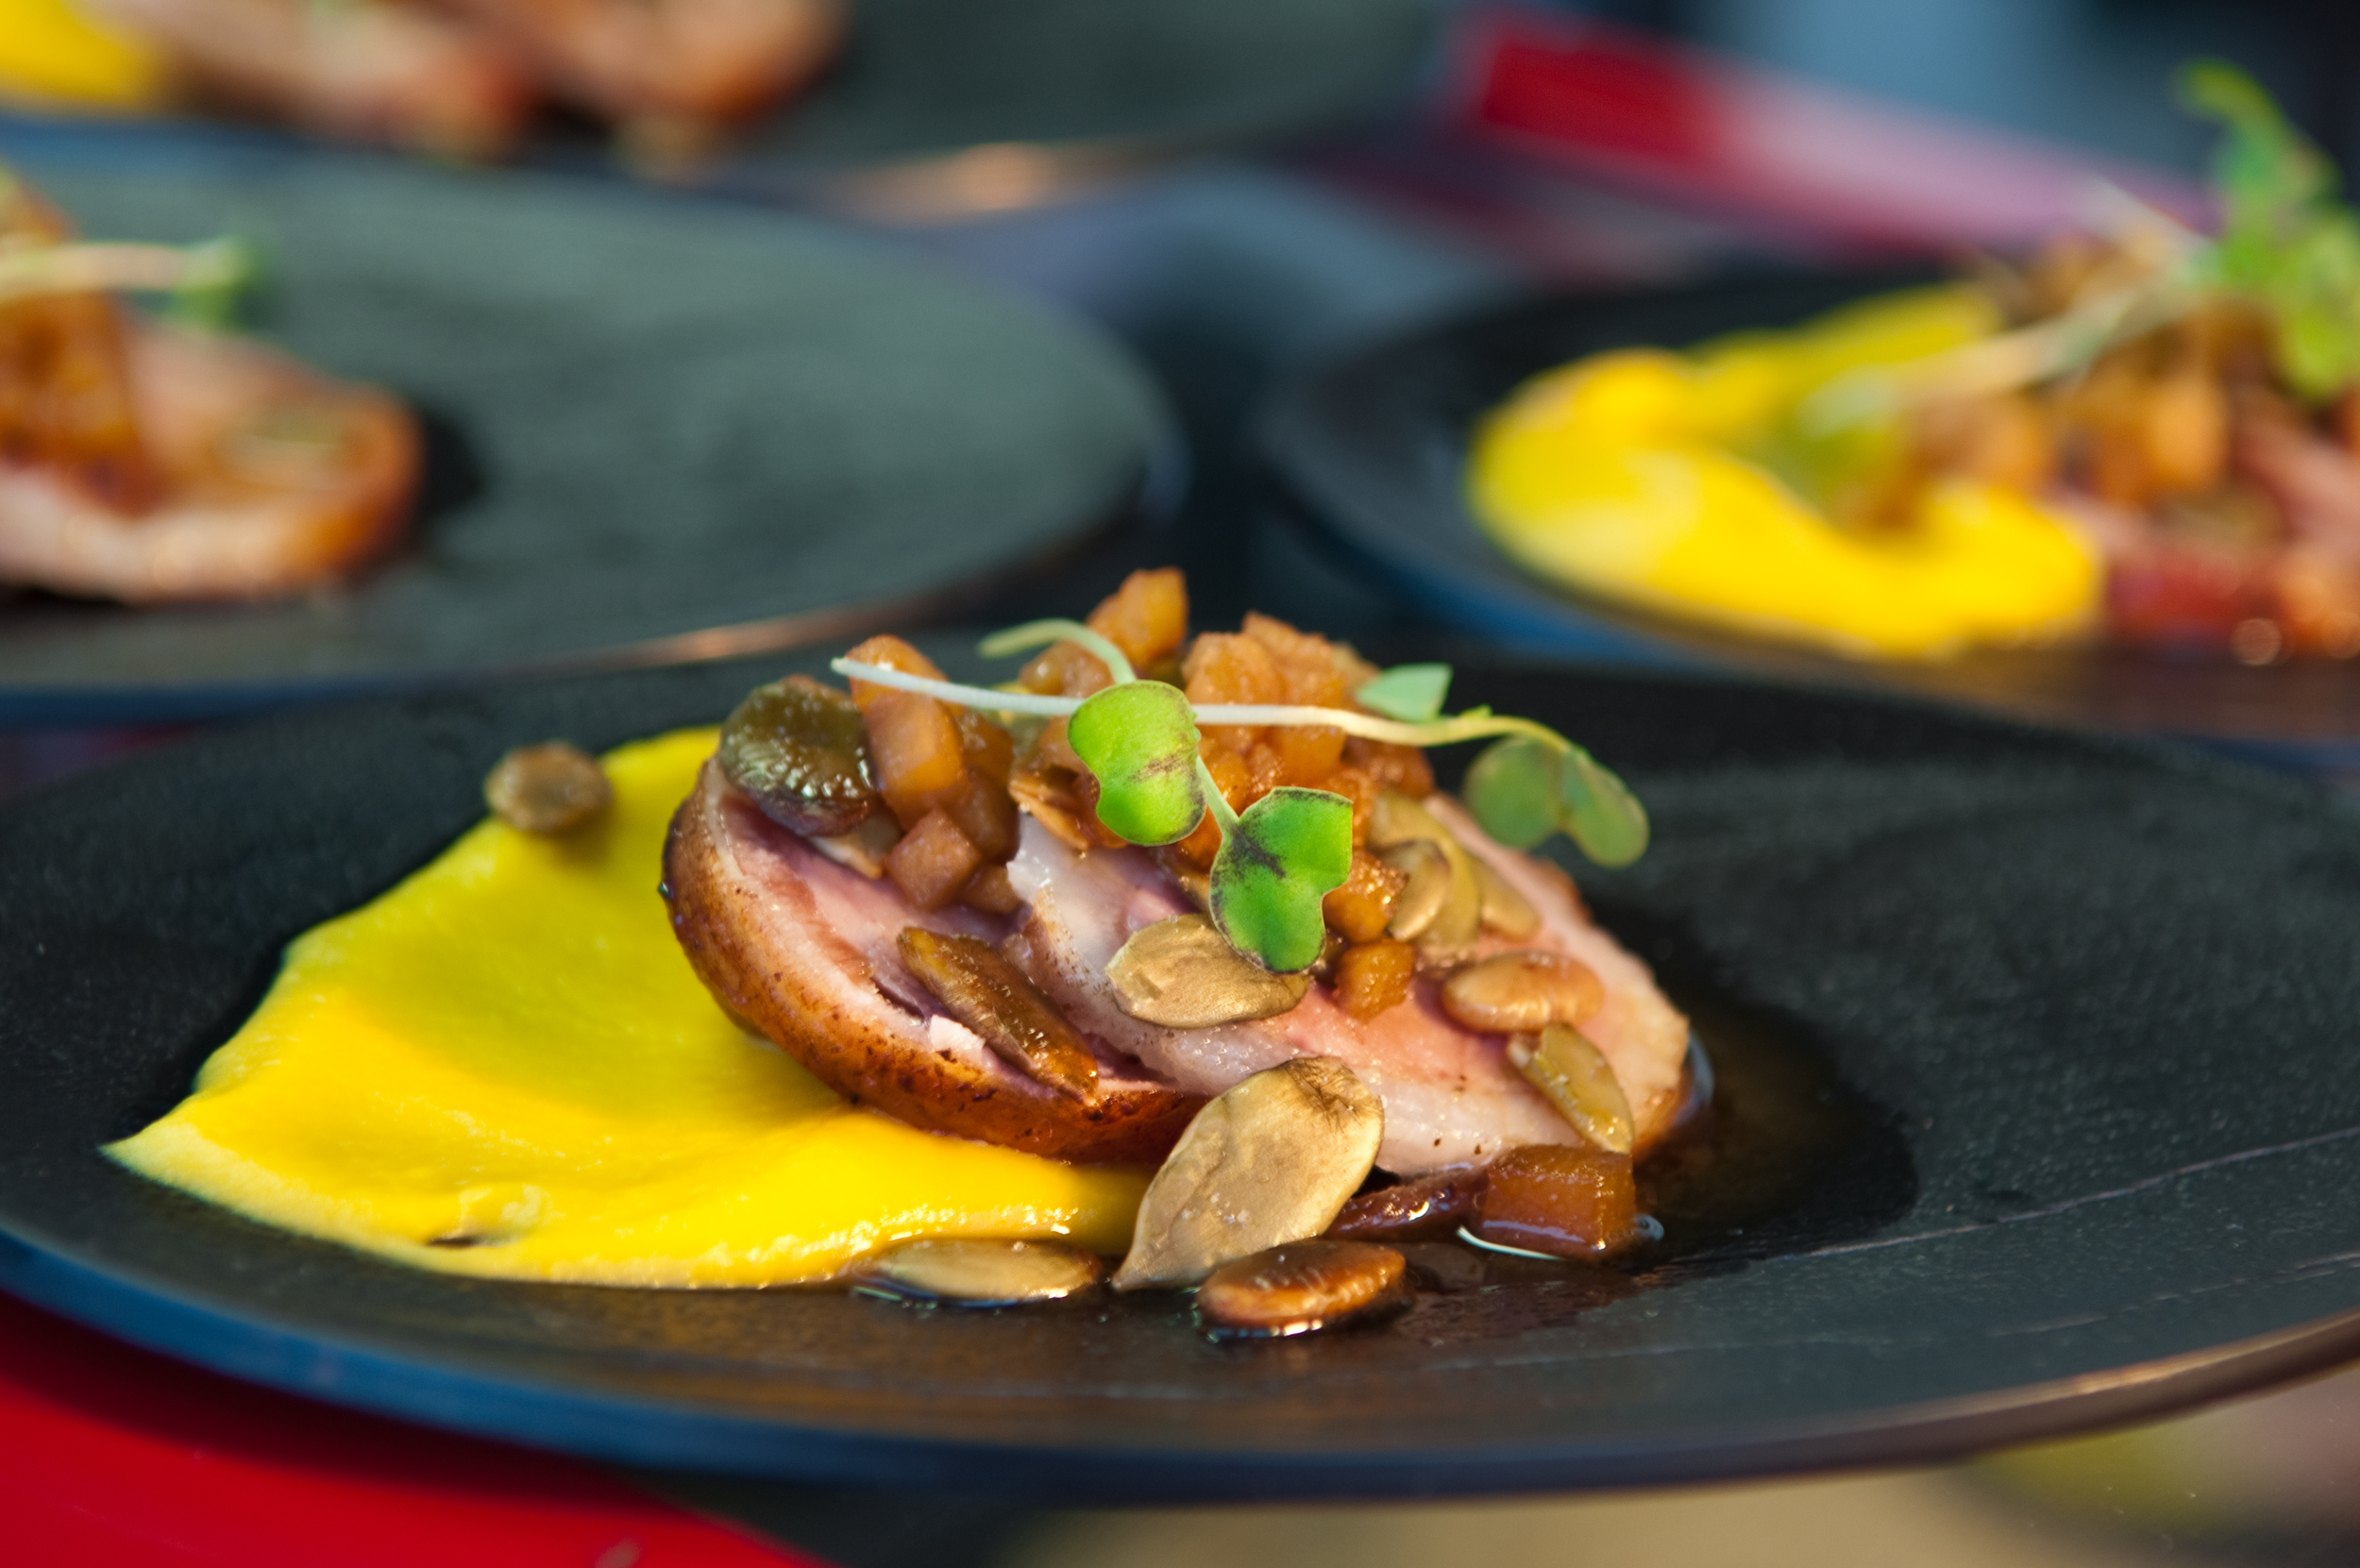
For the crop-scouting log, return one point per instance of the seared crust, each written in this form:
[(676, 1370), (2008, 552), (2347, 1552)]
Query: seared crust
[(756, 936)]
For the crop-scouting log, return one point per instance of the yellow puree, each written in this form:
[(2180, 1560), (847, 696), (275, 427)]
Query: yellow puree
[(509, 1047), (53, 53), (1633, 475)]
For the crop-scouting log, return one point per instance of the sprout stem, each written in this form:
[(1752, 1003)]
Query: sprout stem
[(966, 697), (83, 268), (1477, 725), (1034, 633), (1215, 802)]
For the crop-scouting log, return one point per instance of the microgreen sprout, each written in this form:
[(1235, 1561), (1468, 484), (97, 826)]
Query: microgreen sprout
[(205, 281), (1284, 854)]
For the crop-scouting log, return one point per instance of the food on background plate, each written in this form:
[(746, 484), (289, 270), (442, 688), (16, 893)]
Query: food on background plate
[(2138, 434), (1173, 968), (149, 461), (453, 78)]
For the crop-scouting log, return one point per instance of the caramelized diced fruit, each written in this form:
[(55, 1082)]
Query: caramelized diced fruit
[(1422, 1209), (1302, 1287), (1147, 617), (915, 752), (978, 985), (990, 892), (1567, 1202), (933, 861), (1401, 768), (1307, 753), (1066, 669), (987, 814), (1225, 667), (1372, 977), (989, 750), (892, 654), (1361, 908)]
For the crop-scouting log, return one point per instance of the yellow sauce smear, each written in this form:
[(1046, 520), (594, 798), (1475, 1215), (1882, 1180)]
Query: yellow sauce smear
[(55, 54), (509, 1053), (1633, 475)]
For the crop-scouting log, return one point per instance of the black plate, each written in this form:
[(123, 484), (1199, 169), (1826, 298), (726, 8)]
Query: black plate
[(1369, 448), (1090, 82), (659, 429), (2090, 1007)]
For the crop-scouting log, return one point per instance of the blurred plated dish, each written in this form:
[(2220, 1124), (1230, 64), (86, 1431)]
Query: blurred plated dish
[(766, 93), (648, 431), (2085, 487)]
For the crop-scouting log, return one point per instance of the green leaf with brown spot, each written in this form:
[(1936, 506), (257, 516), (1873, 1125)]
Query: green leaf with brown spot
[(1291, 849), (1139, 740)]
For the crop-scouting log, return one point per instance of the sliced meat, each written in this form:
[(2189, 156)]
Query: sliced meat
[(400, 74), (1450, 1096), (805, 950), (270, 477)]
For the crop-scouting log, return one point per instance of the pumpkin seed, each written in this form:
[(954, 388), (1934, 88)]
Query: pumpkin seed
[(1505, 910), (978, 985), (1572, 1074), (1183, 973), (1301, 1286), (1517, 993), (972, 1273), (552, 788), (1271, 1160)]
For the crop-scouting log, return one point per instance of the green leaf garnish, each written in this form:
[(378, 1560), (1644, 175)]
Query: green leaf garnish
[(1139, 741), (1520, 790), (2286, 240), (220, 276), (1599, 813), (1291, 849), (1294, 847), (1412, 693), (1511, 789)]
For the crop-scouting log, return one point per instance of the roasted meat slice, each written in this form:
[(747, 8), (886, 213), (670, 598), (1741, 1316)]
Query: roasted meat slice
[(807, 952)]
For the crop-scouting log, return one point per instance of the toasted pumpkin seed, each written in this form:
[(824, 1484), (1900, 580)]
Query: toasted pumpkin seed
[(1425, 892), (1183, 973), (1505, 910), (1572, 1074), (1301, 1286), (1271, 1160), (1520, 993), (552, 788), (974, 1272), (977, 985)]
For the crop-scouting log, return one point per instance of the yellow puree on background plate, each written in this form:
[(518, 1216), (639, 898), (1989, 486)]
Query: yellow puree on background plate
[(1629, 475), (508, 1051), (55, 54)]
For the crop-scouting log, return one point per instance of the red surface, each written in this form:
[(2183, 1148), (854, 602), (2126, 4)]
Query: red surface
[(111, 1456), (1608, 102)]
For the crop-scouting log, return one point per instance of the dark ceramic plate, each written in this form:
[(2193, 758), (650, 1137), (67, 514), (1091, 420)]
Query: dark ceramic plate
[(1369, 450), (2037, 1050), (657, 431), (1088, 80)]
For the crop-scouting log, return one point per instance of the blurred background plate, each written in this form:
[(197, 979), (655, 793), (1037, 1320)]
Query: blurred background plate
[(2019, 1173), (1081, 85), (1369, 449), (658, 431)]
